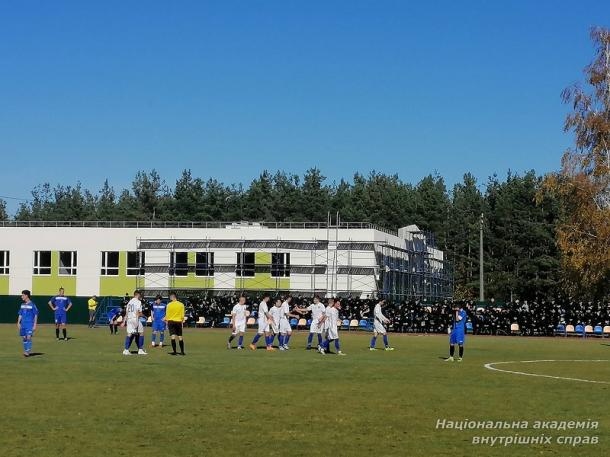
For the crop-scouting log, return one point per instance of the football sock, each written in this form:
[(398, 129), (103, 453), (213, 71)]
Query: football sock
[(319, 339), (231, 338), (287, 338), (111, 328), (256, 338), (337, 345), (25, 345), (65, 333), (309, 340), (385, 340), (461, 349), (181, 342), (127, 342), (140, 341), (174, 345), (56, 333), (281, 339), (451, 350), (373, 341), (240, 342), (326, 344), (28, 343), (162, 337), (153, 338)]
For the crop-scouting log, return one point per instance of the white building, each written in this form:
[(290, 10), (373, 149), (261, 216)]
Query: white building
[(114, 258)]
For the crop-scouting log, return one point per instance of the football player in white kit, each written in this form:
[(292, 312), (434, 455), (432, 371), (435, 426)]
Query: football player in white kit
[(331, 331), (133, 313), (276, 317), (239, 314), (285, 328), (316, 327), (264, 324), (379, 328)]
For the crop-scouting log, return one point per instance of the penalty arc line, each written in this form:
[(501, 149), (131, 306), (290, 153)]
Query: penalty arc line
[(490, 366)]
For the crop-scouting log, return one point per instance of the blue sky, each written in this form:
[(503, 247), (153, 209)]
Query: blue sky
[(229, 88)]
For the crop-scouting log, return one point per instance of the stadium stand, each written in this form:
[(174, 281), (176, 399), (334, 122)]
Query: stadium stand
[(540, 318)]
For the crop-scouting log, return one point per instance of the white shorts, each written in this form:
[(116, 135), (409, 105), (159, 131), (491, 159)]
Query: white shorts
[(332, 333), (285, 326), (263, 325), (315, 327), (134, 326), (240, 327), (379, 328)]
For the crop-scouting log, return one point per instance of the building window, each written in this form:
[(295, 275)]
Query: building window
[(280, 265), (4, 262), (204, 264), (245, 264), (67, 263), (110, 263), (135, 263), (179, 264), (42, 262)]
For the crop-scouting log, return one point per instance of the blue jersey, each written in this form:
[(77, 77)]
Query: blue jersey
[(159, 311), (460, 325), (114, 312), (28, 312), (61, 303)]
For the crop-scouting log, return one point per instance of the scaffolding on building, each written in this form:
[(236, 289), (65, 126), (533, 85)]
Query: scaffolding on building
[(394, 273)]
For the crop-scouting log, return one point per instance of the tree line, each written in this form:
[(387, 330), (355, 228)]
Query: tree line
[(521, 256)]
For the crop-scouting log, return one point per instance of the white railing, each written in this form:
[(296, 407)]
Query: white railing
[(193, 224)]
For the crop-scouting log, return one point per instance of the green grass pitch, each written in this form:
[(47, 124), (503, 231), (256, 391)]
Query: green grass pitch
[(83, 397)]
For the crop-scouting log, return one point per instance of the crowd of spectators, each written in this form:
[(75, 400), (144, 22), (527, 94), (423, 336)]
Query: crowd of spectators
[(533, 317)]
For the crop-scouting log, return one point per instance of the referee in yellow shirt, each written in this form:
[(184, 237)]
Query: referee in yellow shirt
[(174, 316), (92, 305)]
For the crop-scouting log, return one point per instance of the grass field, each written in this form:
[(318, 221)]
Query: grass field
[(83, 397)]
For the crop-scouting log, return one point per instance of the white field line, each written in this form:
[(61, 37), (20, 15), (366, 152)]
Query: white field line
[(490, 366)]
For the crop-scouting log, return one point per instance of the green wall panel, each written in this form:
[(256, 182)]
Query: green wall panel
[(262, 281), (4, 282), (50, 284), (191, 281), (121, 284)]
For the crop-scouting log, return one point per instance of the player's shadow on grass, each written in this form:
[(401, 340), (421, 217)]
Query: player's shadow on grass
[(35, 354), (604, 344)]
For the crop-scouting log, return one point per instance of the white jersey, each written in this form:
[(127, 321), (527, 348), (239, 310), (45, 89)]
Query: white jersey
[(133, 309), (276, 315), (239, 314), (285, 310), (263, 310), (332, 319), (132, 314), (379, 320), (285, 321), (263, 325), (378, 314), (317, 311)]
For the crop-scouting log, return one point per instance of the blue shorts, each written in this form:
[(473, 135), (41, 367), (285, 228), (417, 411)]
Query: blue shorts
[(26, 331), (60, 318), (457, 337), (158, 326)]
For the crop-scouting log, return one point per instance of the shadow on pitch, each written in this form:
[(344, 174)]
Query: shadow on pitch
[(35, 354)]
